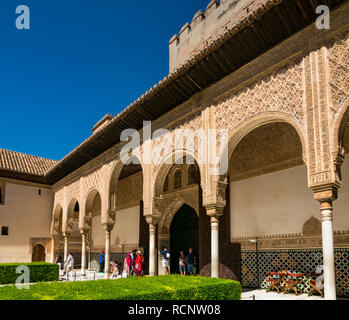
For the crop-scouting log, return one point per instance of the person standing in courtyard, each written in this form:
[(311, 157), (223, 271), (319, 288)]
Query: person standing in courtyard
[(139, 264), (165, 258), (191, 261), (182, 263), (133, 262), (101, 262), (69, 265), (127, 265)]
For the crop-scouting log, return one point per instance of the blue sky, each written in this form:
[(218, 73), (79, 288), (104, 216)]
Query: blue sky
[(80, 60)]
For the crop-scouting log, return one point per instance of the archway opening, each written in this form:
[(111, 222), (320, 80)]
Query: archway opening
[(126, 200), (73, 218), (95, 235), (57, 231), (184, 233), (178, 184), (269, 199), (38, 254)]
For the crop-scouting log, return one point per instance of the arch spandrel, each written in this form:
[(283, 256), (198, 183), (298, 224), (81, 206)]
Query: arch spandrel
[(280, 90), (170, 206)]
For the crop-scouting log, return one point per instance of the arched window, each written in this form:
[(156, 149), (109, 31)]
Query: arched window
[(166, 184), (177, 179), (193, 174), (76, 211)]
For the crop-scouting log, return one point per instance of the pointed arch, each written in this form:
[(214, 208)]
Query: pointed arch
[(167, 164), (252, 123)]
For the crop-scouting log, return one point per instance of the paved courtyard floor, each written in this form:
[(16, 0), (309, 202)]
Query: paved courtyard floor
[(260, 294)]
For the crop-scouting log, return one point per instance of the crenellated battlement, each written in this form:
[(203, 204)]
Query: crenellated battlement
[(206, 26)]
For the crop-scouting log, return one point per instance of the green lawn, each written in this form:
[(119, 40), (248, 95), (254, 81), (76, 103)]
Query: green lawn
[(173, 287)]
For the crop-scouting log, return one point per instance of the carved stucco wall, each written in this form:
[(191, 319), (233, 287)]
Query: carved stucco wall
[(281, 82), (281, 90), (130, 191), (338, 57)]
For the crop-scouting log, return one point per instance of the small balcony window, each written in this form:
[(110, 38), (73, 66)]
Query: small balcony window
[(4, 231)]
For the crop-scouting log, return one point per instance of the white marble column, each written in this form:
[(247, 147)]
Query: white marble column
[(53, 251), (65, 248), (214, 212), (83, 254), (107, 253), (152, 249), (328, 251), (215, 246)]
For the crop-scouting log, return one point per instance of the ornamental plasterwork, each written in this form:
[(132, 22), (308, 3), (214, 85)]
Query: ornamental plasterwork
[(191, 122), (92, 181), (171, 203), (58, 198), (129, 191), (281, 90), (73, 190), (338, 56), (291, 241)]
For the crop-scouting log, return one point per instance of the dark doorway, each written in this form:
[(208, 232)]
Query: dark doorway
[(38, 253), (184, 234)]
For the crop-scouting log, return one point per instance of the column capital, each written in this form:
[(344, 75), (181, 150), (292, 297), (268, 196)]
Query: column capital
[(111, 212), (326, 193), (66, 235), (83, 231), (68, 226), (54, 236), (108, 227), (214, 211), (152, 220)]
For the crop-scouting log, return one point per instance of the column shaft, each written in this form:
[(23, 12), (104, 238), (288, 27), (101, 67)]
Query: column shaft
[(214, 247), (328, 251), (65, 248), (107, 254), (53, 251), (83, 254), (152, 249)]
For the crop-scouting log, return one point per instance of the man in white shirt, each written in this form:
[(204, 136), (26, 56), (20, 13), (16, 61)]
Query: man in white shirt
[(69, 264)]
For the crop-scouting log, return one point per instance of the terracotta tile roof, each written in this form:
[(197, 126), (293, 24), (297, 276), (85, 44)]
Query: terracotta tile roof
[(25, 163)]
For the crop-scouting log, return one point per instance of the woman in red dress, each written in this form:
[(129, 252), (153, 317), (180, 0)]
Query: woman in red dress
[(139, 264)]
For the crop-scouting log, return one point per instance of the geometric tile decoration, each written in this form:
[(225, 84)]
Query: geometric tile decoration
[(295, 261)]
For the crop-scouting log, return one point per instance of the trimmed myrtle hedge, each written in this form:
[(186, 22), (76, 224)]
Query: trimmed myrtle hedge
[(39, 272), (173, 287)]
